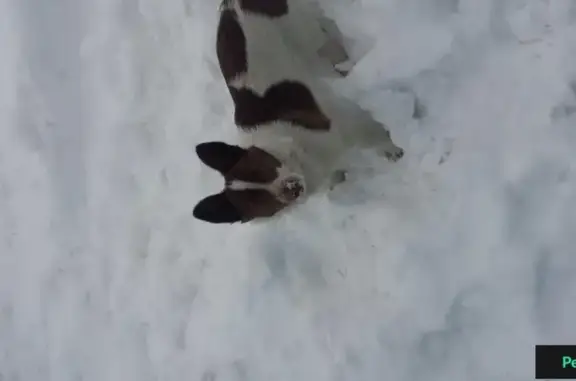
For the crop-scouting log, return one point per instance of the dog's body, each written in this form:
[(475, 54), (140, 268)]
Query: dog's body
[(275, 57)]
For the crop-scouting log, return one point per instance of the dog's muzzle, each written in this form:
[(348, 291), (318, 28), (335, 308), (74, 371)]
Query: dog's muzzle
[(292, 188)]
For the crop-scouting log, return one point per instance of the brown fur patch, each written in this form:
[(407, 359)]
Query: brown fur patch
[(256, 166), (309, 119), (270, 8), (288, 100), (231, 46)]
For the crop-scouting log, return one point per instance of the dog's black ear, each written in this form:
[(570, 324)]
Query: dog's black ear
[(217, 209), (219, 156)]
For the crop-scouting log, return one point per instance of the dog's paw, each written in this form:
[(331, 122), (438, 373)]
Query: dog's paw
[(337, 177), (395, 155), (391, 152), (344, 67)]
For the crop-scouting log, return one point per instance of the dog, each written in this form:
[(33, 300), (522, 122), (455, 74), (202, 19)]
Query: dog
[(277, 57)]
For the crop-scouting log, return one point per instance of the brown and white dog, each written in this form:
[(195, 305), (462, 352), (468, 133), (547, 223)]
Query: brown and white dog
[(276, 57)]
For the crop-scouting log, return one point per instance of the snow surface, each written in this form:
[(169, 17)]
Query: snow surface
[(449, 265)]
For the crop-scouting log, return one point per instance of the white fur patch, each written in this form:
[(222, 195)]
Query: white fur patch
[(274, 187)]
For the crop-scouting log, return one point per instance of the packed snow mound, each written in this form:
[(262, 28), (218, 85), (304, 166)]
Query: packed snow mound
[(448, 265)]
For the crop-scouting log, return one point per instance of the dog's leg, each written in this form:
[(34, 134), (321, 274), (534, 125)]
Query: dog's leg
[(317, 37), (359, 128), (337, 177), (380, 139), (374, 135), (333, 48)]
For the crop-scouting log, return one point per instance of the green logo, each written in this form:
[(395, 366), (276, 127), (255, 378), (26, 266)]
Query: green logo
[(568, 361)]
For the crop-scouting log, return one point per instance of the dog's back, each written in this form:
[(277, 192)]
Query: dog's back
[(275, 80)]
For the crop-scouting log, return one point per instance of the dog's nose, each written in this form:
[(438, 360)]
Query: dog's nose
[(292, 188)]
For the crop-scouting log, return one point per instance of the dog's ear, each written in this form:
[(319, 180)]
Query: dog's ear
[(309, 119), (216, 209), (219, 156)]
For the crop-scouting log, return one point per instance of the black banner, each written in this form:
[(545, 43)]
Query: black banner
[(556, 362)]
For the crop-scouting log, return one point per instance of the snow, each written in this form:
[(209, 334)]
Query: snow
[(449, 265)]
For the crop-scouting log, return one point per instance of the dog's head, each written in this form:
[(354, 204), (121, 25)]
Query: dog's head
[(257, 184)]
